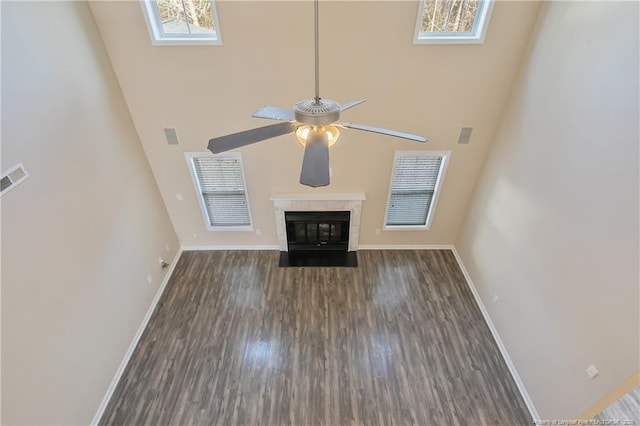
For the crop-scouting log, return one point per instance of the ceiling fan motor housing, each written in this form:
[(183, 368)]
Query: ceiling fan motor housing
[(321, 113)]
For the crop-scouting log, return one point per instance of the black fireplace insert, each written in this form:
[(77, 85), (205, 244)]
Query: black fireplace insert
[(317, 230), (317, 239)]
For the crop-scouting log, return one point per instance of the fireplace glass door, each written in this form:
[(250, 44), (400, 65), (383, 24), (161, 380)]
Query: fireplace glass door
[(313, 231)]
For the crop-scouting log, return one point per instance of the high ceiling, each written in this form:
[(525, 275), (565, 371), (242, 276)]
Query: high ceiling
[(367, 51)]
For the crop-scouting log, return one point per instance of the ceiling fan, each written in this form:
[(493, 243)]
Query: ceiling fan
[(315, 123)]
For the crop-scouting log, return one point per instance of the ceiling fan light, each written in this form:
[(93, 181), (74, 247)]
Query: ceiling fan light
[(303, 132)]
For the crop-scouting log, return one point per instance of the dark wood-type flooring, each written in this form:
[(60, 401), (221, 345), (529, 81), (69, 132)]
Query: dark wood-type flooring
[(236, 339)]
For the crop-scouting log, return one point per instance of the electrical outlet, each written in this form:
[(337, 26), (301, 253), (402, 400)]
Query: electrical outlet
[(149, 279), (167, 248), (378, 231), (495, 298), (195, 236), (179, 197), (258, 231), (591, 371), (162, 262)]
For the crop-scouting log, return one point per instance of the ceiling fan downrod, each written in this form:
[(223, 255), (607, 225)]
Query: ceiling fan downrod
[(317, 50), (317, 111), (315, 122)]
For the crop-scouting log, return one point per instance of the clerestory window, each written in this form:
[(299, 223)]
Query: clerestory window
[(452, 21), (182, 21)]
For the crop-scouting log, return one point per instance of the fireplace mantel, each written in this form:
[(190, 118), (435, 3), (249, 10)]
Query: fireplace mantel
[(351, 202)]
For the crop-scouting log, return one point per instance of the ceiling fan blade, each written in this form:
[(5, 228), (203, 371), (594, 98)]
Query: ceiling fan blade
[(397, 134), (240, 139), (275, 113), (351, 104), (315, 165)]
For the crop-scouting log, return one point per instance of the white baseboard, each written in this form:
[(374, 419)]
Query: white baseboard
[(360, 247), (496, 337), (134, 342), (406, 247), (192, 248)]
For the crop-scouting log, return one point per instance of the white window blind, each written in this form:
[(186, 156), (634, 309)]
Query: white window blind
[(220, 181), (414, 184)]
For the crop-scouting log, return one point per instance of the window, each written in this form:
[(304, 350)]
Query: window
[(219, 182), (452, 21), (415, 183), (182, 21), (15, 175)]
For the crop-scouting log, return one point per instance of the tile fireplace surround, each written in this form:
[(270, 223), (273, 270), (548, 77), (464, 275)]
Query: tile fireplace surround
[(320, 202)]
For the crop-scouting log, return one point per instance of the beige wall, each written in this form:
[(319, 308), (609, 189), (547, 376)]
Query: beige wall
[(553, 228), (81, 234), (267, 58)]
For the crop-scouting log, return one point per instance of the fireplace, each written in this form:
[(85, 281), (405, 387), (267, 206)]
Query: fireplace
[(321, 241), (317, 238), (321, 231)]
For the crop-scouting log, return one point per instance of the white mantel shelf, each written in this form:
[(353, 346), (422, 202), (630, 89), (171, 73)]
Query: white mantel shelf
[(311, 201), (312, 196)]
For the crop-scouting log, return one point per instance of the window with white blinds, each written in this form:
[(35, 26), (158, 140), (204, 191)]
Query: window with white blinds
[(415, 183), (222, 191)]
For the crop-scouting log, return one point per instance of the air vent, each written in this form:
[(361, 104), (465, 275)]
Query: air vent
[(465, 135), (172, 136), (12, 178)]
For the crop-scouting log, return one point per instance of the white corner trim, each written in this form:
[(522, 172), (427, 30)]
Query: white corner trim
[(406, 247), (496, 337), (196, 248), (134, 341)]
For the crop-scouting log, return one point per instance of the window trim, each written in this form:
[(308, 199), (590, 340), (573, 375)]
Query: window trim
[(160, 38), (196, 184), (475, 37), (14, 183), (436, 191)]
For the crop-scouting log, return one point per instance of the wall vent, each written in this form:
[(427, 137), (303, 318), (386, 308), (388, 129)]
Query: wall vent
[(172, 136), (12, 178), (465, 135)]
